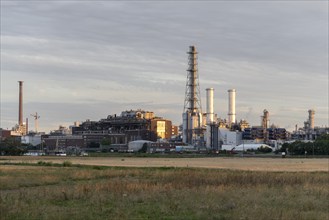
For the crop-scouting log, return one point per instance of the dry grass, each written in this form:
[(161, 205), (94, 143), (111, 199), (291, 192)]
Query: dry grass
[(236, 163), (160, 193)]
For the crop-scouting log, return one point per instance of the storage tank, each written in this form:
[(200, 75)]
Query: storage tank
[(135, 146)]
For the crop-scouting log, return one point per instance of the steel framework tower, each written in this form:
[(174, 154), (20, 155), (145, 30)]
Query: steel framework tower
[(192, 114)]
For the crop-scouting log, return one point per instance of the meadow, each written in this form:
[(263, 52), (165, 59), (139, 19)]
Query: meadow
[(68, 191)]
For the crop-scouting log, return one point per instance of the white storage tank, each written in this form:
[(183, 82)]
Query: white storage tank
[(135, 146)]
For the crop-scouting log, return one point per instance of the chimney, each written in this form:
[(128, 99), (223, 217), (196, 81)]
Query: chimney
[(210, 105), (27, 125), (231, 106), (20, 107)]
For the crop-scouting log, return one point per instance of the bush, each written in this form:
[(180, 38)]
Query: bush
[(67, 164), (264, 149), (43, 163)]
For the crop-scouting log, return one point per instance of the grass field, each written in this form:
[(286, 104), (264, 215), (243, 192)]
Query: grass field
[(234, 163), (67, 191)]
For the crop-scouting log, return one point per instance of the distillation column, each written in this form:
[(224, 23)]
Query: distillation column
[(311, 113)]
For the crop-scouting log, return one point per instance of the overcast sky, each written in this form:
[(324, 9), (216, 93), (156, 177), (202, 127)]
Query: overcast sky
[(88, 59)]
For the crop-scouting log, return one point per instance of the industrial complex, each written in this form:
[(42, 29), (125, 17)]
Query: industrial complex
[(135, 130)]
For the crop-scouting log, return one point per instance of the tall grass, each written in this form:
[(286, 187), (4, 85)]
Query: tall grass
[(160, 193)]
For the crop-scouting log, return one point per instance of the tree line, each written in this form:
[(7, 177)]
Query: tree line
[(319, 147)]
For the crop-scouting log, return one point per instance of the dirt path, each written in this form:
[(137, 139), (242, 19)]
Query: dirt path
[(261, 164)]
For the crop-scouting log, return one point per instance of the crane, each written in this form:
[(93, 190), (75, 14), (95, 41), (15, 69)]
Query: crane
[(36, 118)]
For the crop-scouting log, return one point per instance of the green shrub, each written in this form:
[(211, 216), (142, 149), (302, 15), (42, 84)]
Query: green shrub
[(67, 163), (264, 149)]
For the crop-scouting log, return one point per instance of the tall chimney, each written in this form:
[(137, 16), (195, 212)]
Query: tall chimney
[(210, 105), (27, 125), (20, 107), (210, 115), (231, 106)]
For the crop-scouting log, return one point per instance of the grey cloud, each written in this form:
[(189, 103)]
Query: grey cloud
[(128, 52)]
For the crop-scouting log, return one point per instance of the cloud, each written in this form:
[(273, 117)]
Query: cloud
[(133, 55)]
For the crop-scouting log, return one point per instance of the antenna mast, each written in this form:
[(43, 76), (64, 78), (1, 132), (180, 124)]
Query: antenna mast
[(36, 121)]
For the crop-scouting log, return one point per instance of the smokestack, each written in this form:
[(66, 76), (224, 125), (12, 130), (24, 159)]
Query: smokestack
[(210, 105), (27, 125), (231, 106), (192, 79), (311, 113), (20, 105), (210, 115)]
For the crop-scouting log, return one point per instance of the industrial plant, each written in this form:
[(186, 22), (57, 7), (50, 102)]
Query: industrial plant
[(133, 130)]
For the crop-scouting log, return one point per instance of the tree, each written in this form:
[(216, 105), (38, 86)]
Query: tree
[(264, 149), (106, 141), (319, 147), (93, 145)]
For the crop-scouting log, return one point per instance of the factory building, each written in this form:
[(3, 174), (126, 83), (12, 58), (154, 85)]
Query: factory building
[(174, 130), (229, 138), (111, 133), (119, 130), (31, 139), (309, 131), (257, 133), (56, 143)]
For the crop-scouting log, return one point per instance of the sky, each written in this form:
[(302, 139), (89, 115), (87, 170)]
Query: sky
[(89, 59)]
